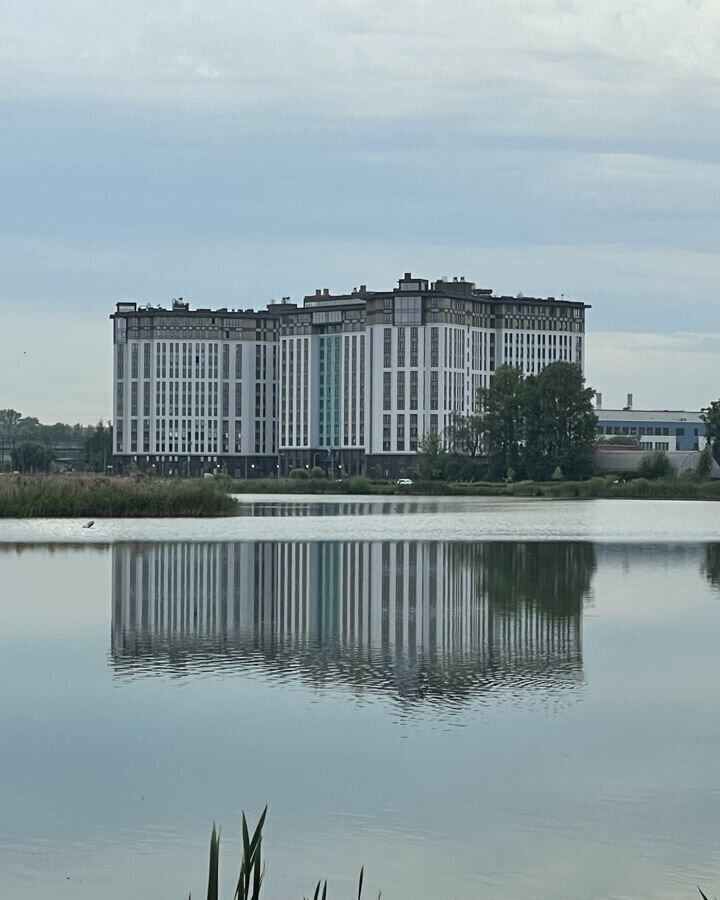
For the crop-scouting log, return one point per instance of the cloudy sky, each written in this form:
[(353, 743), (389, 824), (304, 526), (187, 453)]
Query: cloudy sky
[(234, 152)]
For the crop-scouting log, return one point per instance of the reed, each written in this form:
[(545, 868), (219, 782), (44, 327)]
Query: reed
[(66, 496), (252, 868)]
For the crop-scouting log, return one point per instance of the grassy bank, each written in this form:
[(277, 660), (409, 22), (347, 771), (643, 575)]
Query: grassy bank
[(599, 487), (62, 496), (637, 489)]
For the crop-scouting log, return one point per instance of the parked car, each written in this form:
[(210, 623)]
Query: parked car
[(404, 481)]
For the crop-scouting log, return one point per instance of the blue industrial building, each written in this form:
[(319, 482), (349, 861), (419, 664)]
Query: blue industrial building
[(659, 429)]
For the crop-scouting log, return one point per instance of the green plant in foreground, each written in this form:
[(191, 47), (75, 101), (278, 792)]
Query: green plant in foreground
[(252, 870)]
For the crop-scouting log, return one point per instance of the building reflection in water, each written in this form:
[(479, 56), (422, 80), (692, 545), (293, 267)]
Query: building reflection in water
[(420, 620)]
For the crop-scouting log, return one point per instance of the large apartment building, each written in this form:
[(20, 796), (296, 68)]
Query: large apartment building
[(350, 382), (195, 388), (364, 375)]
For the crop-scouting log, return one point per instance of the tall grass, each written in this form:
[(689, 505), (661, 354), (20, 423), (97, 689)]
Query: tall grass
[(65, 496), (252, 868)]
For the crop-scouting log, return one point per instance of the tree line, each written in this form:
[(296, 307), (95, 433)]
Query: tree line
[(29, 446), (524, 426)]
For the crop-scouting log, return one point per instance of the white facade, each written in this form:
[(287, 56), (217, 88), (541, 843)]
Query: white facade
[(192, 387), (420, 376), (333, 382), (375, 371)]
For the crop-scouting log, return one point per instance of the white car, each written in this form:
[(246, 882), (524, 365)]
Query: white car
[(404, 481)]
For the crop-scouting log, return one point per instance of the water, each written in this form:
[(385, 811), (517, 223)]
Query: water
[(472, 698)]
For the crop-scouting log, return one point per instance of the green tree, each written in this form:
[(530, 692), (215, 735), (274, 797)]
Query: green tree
[(30, 456), (9, 420), (704, 466), (503, 410), (431, 461), (98, 447), (654, 465), (711, 418), (465, 433), (560, 423)]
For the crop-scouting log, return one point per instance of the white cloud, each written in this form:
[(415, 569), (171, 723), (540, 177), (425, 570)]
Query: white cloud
[(561, 62)]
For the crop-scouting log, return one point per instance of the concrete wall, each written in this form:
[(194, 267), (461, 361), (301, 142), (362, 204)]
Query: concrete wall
[(621, 459)]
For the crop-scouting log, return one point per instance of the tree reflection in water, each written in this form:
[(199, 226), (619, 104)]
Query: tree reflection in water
[(711, 565)]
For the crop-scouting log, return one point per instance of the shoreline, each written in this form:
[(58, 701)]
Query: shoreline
[(74, 496), (599, 487)]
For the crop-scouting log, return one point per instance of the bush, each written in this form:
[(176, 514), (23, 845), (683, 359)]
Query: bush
[(317, 472), (704, 466), (557, 475), (654, 465), (299, 473), (359, 484)]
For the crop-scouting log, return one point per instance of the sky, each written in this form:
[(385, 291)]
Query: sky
[(233, 153)]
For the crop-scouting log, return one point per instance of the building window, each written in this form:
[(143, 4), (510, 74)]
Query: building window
[(387, 348), (387, 390), (401, 433), (401, 390), (408, 310), (414, 389), (433, 389), (386, 434)]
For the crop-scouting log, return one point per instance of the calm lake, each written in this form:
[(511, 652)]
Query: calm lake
[(473, 698)]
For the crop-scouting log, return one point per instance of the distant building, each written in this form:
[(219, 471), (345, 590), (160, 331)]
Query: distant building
[(667, 430), (365, 375), (195, 389), (350, 382)]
